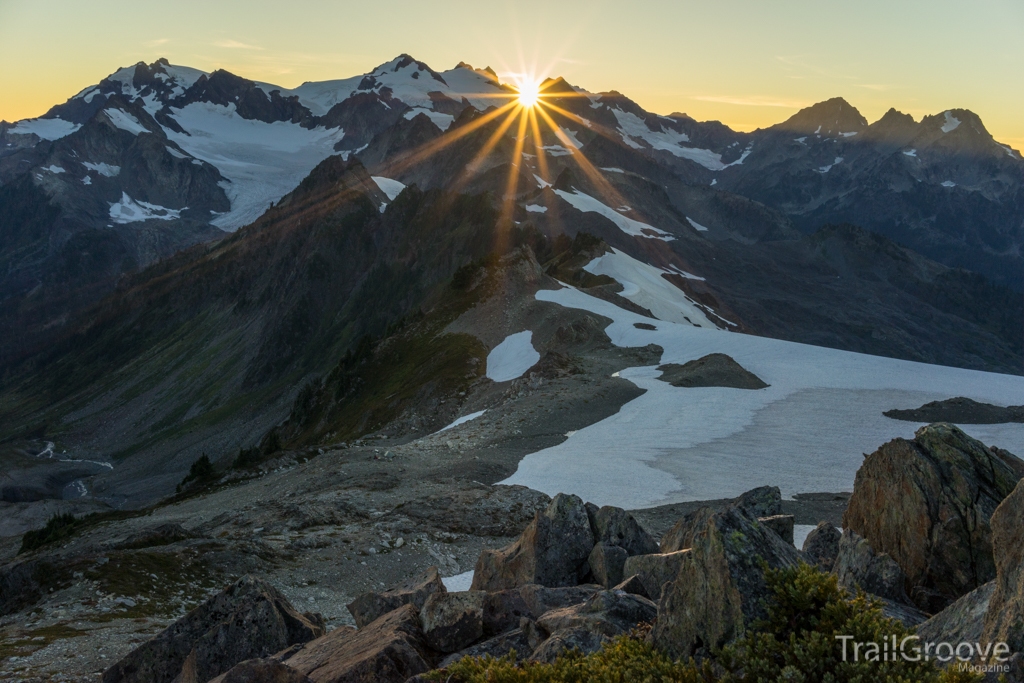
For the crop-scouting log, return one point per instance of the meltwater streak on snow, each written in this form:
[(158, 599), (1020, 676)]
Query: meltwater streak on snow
[(512, 357), (47, 129), (644, 285), (462, 420), (807, 432), (392, 188), (585, 203), (262, 161)]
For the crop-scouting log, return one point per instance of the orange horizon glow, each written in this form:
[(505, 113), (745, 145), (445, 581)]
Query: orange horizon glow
[(747, 64)]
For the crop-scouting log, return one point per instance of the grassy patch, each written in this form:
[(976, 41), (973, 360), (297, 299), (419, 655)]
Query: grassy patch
[(26, 642)]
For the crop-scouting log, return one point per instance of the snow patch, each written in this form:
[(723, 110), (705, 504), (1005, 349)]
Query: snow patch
[(612, 169), (951, 122), (459, 582), (125, 121), (175, 153), (911, 153), (442, 121), (644, 285), (848, 135), (261, 161), (392, 188), (948, 183), (462, 420), (46, 129), (808, 431), (87, 180), (586, 203), (536, 208), (129, 210), (105, 170), (696, 225), (54, 169), (512, 357)]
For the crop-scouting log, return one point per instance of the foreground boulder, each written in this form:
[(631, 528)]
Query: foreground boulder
[(585, 627), (452, 621), (822, 545), (390, 650), (369, 607), (615, 527), (1004, 620), (961, 622), (783, 525), (250, 619), (606, 564), (504, 610), (764, 501), (927, 503), (721, 585), (654, 571), (857, 565), (552, 551), (261, 671)]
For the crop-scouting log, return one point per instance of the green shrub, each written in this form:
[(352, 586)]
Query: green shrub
[(200, 472), (794, 643), (57, 528)]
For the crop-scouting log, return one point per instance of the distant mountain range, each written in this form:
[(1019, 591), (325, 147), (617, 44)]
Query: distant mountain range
[(184, 252)]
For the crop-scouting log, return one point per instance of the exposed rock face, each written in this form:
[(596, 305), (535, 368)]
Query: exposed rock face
[(927, 503), (503, 610), (606, 564), (1004, 621), (961, 411), (822, 545), (606, 614), (720, 586), (390, 650), (614, 526), (654, 571), (261, 671), (368, 607), (498, 646), (452, 621), (552, 551), (249, 619), (633, 585), (780, 524), (961, 622), (764, 501), (713, 370), (857, 565)]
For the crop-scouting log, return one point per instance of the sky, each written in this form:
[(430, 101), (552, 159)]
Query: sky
[(747, 63)]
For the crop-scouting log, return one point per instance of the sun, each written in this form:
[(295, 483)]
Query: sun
[(529, 92)]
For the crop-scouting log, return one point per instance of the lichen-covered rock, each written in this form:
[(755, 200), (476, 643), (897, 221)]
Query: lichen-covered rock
[(614, 526), (654, 571), (822, 545), (552, 551), (633, 585), (606, 564), (1004, 620), (261, 671), (503, 610), (389, 650), (498, 646), (961, 622), (606, 614), (248, 620), (858, 565), (780, 524), (368, 607), (928, 503), (453, 621), (720, 586), (764, 501)]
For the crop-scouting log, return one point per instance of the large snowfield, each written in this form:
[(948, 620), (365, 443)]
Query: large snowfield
[(807, 432)]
